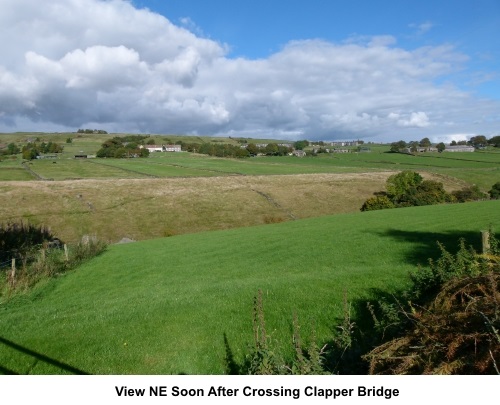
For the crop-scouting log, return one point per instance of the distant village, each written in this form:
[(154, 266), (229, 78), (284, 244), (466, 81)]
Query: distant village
[(33, 148)]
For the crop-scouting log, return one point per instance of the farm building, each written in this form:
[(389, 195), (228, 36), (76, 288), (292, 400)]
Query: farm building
[(299, 153), (51, 156), (459, 148), (153, 148), (344, 143), (419, 149), (162, 148), (172, 148), (82, 155)]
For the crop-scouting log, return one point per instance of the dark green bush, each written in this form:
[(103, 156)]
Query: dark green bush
[(380, 202), (471, 193), (428, 192), (495, 191), (426, 281)]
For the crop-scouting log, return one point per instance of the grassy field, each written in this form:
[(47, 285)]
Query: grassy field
[(147, 208), (481, 167), (15, 174), (163, 306), (177, 193)]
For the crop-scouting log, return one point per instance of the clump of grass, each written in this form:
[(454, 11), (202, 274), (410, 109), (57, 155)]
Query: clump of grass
[(86, 249), (273, 219)]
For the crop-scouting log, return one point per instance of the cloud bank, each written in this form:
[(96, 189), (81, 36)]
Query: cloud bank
[(68, 64)]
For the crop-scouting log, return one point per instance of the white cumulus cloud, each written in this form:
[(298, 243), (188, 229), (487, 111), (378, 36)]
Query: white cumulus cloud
[(416, 119), (79, 63)]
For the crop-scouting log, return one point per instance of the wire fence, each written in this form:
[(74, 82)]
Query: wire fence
[(23, 256), (5, 265)]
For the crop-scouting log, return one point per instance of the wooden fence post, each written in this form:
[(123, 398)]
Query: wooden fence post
[(12, 276), (485, 240), (66, 254)]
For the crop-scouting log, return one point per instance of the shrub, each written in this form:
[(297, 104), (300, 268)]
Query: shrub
[(400, 184), (408, 189), (495, 191), (456, 334), (471, 193), (453, 327), (380, 202), (428, 192), (465, 263)]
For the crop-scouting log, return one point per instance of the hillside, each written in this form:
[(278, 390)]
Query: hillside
[(163, 306), (147, 208)]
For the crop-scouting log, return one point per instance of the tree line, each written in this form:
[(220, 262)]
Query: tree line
[(235, 151), (91, 131), (477, 141), (123, 147)]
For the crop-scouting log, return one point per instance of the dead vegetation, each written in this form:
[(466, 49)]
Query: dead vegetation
[(457, 333), (148, 208)]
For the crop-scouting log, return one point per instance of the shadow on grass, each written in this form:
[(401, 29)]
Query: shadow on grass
[(368, 311), (37, 357), (379, 316), (424, 245), (231, 367)]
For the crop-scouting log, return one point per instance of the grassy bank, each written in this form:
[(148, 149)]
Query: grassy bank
[(163, 306)]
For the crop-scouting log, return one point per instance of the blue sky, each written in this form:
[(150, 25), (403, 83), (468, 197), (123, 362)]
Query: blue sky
[(259, 28), (317, 69)]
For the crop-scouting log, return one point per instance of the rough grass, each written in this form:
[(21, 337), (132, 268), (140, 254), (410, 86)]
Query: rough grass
[(163, 306), (146, 208)]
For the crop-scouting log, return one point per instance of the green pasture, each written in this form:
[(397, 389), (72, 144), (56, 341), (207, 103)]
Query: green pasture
[(481, 167), (14, 174), (160, 166), (65, 169), (11, 170), (165, 306)]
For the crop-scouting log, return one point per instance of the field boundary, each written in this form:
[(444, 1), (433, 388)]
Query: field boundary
[(35, 174), (125, 170)]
